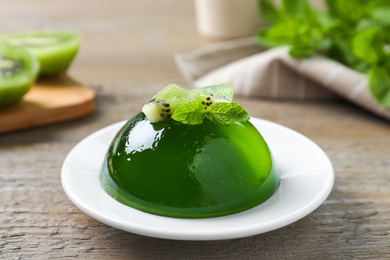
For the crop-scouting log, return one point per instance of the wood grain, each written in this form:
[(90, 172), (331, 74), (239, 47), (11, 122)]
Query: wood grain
[(127, 56)]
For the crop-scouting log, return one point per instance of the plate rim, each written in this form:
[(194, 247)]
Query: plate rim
[(200, 236)]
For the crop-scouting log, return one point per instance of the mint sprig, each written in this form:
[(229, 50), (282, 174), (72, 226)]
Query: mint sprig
[(355, 33), (191, 113), (224, 113)]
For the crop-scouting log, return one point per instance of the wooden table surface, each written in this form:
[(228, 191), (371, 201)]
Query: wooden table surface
[(126, 56)]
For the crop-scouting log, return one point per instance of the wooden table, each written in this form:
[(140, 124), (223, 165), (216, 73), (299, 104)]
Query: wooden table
[(126, 56)]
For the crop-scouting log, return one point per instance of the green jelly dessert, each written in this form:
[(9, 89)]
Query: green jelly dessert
[(192, 164)]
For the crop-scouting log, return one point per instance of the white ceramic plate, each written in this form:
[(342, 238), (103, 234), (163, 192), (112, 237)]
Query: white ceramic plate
[(306, 172)]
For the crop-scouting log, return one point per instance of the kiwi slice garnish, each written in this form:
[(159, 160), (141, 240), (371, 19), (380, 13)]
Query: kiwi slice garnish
[(55, 50), (164, 103), (18, 71)]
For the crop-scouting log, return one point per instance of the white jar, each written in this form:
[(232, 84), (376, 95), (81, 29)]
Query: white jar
[(227, 18)]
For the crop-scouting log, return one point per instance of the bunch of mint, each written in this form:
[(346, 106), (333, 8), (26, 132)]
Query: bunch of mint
[(355, 33)]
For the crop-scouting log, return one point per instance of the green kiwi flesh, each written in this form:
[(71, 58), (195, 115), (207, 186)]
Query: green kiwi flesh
[(55, 50), (165, 102), (189, 171), (213, 94), (18, 71)]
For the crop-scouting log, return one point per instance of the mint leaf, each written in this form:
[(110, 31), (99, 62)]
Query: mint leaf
[(293, 8), (191, 113), (223, 113), (213, 102), (379, 83), (268, 11), (350, 11), (221, 92), (368, 46), (226, 113), (381, 15), (301, 51)]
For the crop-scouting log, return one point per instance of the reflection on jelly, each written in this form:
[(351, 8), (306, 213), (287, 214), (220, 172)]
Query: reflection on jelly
[(150, 138), (188, 171)]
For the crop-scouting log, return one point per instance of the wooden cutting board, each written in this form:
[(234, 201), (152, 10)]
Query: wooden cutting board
[(49, 101)]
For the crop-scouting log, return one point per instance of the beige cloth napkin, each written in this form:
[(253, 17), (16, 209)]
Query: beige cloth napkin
[(274, 74)]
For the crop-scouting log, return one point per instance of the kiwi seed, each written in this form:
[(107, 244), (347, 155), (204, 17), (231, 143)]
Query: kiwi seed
[(9, 66)]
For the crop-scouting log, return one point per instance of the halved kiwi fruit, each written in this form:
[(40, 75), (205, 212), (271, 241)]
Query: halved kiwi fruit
[(55, 50), (18, 71)]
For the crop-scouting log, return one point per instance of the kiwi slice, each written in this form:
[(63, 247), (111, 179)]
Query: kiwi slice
[(213, 94), (165, 102), (55, 50), (18, 71), (183, 170)]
